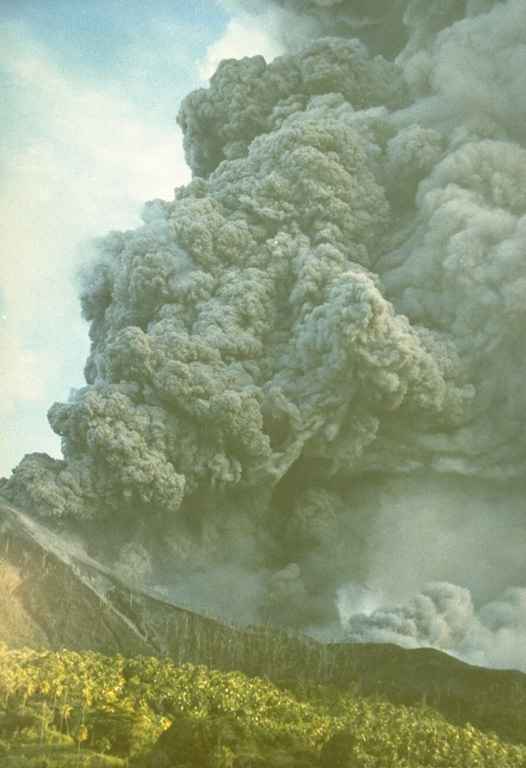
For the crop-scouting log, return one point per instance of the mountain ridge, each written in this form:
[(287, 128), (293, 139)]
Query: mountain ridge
[(55, 596)]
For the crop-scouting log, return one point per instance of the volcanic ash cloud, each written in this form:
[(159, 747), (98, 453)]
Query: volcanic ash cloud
[(332, 308), (444, 616)]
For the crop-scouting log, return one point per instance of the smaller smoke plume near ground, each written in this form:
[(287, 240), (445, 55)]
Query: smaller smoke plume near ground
[(443, 616), (305, 386)]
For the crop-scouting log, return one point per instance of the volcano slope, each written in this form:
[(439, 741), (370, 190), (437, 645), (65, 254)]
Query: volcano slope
[(53, 595)]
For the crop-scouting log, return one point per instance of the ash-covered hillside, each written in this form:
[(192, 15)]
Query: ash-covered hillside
[(304, 400), (52, 596)]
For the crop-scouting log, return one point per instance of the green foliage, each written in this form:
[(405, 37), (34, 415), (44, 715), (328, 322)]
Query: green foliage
[(86, 709)]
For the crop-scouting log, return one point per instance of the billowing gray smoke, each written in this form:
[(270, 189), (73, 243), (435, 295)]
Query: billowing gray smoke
[(305, 387), (378, 23), (444, 616)]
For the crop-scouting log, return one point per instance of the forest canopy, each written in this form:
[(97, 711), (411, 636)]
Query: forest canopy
[(95, 710)]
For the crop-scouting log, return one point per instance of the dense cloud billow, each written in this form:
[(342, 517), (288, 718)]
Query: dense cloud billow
[(443, 616), (306, 371)]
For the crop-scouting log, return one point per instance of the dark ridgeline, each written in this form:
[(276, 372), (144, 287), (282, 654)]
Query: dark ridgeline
[(48, 602)]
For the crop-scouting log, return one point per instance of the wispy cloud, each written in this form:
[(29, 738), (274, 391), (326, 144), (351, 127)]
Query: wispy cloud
[(77, 159), (244, 37)]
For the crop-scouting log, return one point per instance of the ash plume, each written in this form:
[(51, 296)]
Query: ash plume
[(443, 616), (306, 371), (378, 23)]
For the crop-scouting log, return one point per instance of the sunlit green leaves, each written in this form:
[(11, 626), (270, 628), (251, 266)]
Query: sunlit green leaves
[(155, 714)]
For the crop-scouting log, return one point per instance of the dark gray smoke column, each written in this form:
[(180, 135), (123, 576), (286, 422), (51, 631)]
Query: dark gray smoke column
[(313, 356)]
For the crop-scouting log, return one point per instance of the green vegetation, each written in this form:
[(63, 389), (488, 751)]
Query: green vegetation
[(68, 709)]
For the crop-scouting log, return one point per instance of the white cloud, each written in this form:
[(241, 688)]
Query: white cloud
[(21, 365), (78, 159), (245, 36)]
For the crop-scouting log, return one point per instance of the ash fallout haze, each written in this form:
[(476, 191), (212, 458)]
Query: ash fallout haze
[(304, 397)]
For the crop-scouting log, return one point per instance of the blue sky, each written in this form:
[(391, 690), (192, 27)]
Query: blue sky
[(90, 93)]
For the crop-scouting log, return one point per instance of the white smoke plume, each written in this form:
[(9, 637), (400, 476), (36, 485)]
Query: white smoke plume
[(443, 616), (307, 369)]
